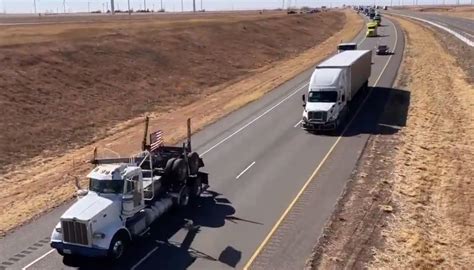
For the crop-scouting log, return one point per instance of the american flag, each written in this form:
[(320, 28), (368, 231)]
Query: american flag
[(156, 140)]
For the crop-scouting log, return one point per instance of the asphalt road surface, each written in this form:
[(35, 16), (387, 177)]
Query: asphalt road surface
[(463, 26), (260, 163)]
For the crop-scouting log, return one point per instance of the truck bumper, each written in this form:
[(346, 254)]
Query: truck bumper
[(68, 249), (319, 126)]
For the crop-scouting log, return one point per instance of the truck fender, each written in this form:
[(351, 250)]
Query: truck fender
[(111, 234)]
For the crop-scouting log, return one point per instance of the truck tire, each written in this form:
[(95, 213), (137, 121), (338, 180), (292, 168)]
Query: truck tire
[(169, 167), (193, 161), (183, 198), (196, 189), (118, 246), (179, 170)]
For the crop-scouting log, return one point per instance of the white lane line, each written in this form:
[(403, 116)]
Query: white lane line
[(246, 169), (143, 259), (38, 259), (253, 121), (468, 34), (297, 124), (452, 32)]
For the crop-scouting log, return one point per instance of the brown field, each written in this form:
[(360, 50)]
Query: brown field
[(454, 11), (409, 205), (90, 86)]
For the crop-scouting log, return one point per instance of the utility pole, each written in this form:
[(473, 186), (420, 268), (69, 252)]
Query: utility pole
[(112, 6), (182, 6), (144, 4), (201, 5), (194, 5), (107, 4), (161, 5), (129, 11), (34, 5), (89, 7), (64, 6)]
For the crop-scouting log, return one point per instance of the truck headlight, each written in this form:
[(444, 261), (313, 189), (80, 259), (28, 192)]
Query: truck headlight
[(99, 235), (58, 229)]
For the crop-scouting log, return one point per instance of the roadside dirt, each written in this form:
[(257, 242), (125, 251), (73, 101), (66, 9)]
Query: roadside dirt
[(81, 92), (453, 11), (409, 205)]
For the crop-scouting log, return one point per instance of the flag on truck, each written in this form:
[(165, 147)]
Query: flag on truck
[(156, 140)]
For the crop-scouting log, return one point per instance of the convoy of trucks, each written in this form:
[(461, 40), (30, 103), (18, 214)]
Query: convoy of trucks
[(333, 86), (126, 195)]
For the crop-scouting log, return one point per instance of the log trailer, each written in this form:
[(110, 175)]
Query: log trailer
[(126, 195)]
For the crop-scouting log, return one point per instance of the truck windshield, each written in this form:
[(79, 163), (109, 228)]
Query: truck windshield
[(106, 186), (322, 96)]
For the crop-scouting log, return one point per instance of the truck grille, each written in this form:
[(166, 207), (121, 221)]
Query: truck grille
[(317, 116), (75, 232)]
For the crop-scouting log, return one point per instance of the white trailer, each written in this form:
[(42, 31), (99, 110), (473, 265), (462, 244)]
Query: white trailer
[(126, 195), (332, 87)]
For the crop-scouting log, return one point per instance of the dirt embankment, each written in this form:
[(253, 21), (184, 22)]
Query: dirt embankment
[(409, 205), (65, 94)]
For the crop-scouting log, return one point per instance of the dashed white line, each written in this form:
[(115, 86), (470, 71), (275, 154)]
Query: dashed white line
[(143, 259), (255, 119), (37, 259), (297, 124), (246, 169)]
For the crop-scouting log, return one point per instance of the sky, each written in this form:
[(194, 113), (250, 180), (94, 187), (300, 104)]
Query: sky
[(27, 6)]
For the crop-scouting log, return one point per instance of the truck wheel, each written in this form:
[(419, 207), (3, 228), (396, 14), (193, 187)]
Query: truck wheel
[(193, 160), (117, 246), (179, 170), (183, 198), (169, 167), (196, 189)]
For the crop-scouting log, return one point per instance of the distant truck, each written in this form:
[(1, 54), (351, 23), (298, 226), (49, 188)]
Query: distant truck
[(371, 29), (126, 195), (346, 47), (378, 19), (332, 88)]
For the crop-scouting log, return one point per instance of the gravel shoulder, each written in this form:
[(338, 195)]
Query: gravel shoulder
[(409, 204)]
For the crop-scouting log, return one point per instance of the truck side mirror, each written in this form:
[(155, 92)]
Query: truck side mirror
[(304, 100)]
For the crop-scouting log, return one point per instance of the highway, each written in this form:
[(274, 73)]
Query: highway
[(273, 186), (462, 26)]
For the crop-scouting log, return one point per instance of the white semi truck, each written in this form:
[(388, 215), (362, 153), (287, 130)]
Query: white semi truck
[(333, 86), (126, 195)]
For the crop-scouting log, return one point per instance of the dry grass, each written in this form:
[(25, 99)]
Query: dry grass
[(41, 183), (453, 11), (433, 226)]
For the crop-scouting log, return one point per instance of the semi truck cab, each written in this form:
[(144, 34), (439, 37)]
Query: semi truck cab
[(89, 226), (126, 195), (326, 100)]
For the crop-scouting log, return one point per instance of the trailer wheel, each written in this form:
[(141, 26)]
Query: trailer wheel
[(193, 160), (117, 246), (179, 170), (183, 198)]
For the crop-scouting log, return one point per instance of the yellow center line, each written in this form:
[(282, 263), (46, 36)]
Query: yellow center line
[(285, 213)]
